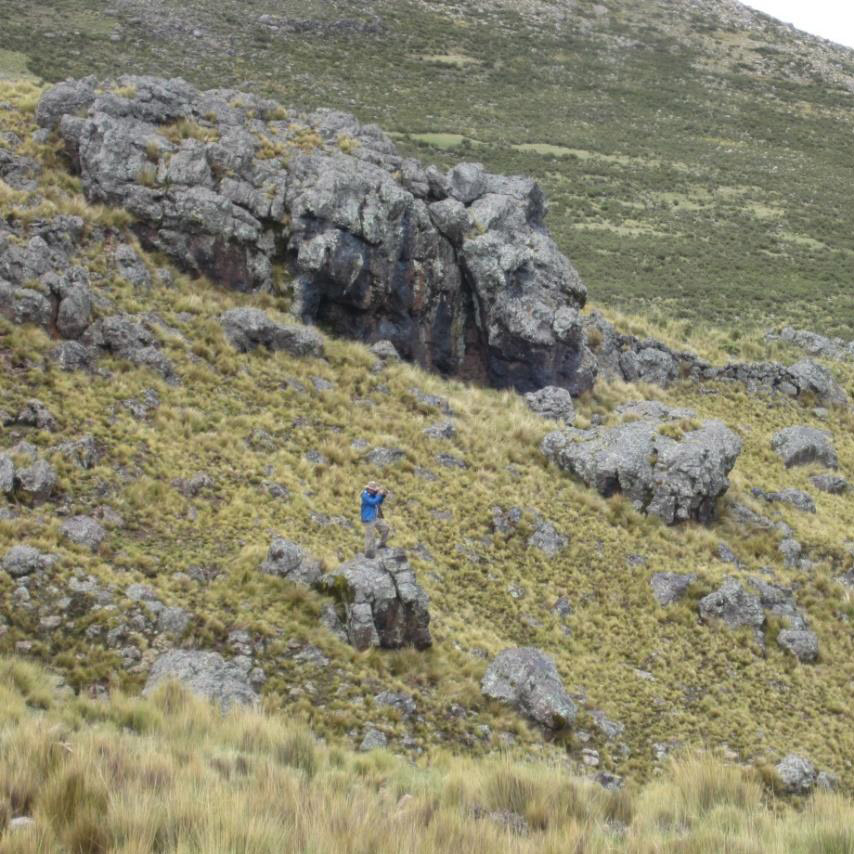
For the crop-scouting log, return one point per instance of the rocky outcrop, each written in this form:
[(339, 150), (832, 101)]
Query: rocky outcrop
[(814, 344), (631, 359), (379, 602), (798, 446), (457, 270), (248, 328), (674, 479), (207, 674), (527, 679)]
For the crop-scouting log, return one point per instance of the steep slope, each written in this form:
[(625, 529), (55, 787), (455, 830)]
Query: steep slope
[(198, 455), (696, 154)]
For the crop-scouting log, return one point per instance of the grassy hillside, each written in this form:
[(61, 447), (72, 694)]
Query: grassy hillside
[(169, 774), (696, 154), (249, 421)]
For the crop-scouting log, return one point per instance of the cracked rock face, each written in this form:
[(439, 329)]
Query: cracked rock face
[(380, 603), (527, 679), (457, 271), (675, 480)]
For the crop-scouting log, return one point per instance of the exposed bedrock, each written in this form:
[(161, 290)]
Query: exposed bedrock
[(457, 270)]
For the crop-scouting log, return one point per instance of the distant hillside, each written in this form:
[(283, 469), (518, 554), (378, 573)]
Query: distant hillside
[(696, 154)]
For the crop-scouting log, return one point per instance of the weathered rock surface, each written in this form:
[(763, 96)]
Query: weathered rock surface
[(380, 602), (733, 605), (248, 328), (797, 775), (527, 679), (552, 402), (673, 479), (287, 560), (84, 531), (23, 560), (205, 673), (831, 483), (457, 271), (802, 643), (668, 587), (814, 344), (631, 359), (798, 446), (130, 337), (36, 414), (36, 482), (795, 497)]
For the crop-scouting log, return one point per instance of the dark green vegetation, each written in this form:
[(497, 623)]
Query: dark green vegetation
[(697, 157)]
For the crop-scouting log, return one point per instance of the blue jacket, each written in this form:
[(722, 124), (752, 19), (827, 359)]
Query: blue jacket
[(370, 505)]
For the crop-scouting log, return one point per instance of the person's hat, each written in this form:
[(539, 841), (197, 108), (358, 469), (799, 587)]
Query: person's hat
[(373, 486)]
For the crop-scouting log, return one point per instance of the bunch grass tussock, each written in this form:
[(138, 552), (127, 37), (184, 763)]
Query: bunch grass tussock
[(171, 773)]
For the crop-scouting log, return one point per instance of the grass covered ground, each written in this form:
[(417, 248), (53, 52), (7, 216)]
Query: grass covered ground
[(171, 774), (251, 420), (696, 156)]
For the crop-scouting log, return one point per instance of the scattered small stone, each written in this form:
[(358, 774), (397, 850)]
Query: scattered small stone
[(668, 587), (440, 430), (831, 483), (373, 740), (450, 461), (383, 457)]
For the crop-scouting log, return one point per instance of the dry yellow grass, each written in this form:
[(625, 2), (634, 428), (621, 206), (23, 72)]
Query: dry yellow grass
[(245, 421), (171, 774)]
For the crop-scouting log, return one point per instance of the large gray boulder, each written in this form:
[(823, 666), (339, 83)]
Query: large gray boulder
[(380, 603), (207, 674), (674, 479), (800, 445), (248, 328), (458, 271), (732, 605), (287, 560), (527, 679), (552, 402)]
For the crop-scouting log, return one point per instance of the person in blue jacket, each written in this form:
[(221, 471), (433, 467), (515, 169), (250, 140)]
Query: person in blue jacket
[(372, 518)]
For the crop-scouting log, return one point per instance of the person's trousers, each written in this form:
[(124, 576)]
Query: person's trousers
[(377, 528)]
